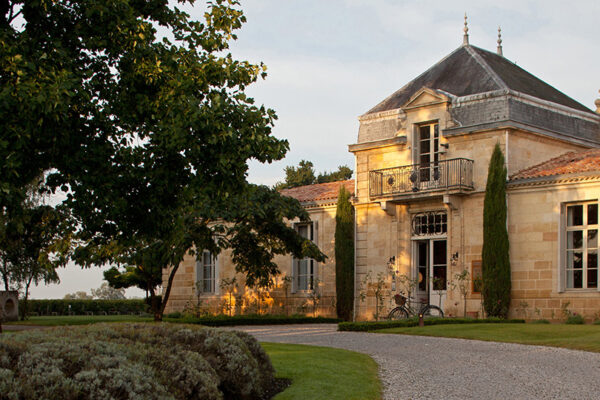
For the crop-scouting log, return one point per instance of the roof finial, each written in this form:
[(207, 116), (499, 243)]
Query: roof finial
[(597, 103), (466, 30), (499, 48)]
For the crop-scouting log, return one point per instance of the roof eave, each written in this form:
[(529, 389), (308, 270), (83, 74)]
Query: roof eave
[(553, 179)]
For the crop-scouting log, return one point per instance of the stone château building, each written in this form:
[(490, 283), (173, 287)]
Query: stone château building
[(422, 156)]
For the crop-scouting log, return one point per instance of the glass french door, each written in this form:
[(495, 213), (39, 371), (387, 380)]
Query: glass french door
[(430, 269), (428, 152)]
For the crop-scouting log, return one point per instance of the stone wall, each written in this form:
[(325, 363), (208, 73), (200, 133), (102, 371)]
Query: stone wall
[(9, 305), (278, 299), (383, 230), (535, 227)]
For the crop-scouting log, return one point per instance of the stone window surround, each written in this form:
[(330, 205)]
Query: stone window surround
[(311, 274), (199, 274), (434, 128), (585, 227)]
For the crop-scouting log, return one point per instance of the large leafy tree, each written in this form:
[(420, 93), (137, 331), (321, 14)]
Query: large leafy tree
[(344, 255), (35, 240), (149, 135), (495, 255), (106, 292), (34, 252), (343, 173), (304, 174)]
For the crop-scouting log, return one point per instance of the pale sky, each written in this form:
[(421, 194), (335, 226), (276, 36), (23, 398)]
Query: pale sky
[(330, 61)]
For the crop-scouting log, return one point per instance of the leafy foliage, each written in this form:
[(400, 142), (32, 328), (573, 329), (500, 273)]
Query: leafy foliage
[(78, 295), (149, 136), (33, 253), (134, 361), (304, 174), (106, 292), (344, 255), (343, 173), (495, 257)]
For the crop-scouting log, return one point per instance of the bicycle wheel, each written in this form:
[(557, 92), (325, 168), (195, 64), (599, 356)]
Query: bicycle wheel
[(398, 313), (433, 311)]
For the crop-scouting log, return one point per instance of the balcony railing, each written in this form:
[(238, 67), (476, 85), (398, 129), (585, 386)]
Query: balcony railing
[(437, 176)]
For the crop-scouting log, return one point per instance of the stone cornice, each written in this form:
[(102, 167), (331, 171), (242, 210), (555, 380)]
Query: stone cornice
[(590, 176), (509, 124), (382, 114), (395, 141)]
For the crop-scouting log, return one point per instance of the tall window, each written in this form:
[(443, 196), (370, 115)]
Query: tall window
[(581, 260), (304, 269), (205, 273), (428, 157)]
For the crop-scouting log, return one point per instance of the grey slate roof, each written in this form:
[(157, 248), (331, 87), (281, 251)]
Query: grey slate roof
[(470, 70)]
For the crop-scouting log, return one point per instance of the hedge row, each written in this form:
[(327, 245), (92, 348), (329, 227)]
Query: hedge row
[(251, 319), (407, 323), (134, 361), (81, 307)]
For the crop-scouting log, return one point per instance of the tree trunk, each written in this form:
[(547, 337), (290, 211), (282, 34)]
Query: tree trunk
[(155, 306), (5, 275), (158, 315), (25, 307)]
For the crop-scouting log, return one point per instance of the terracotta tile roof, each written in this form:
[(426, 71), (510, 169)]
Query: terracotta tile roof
[(319, 191), (569, 163)]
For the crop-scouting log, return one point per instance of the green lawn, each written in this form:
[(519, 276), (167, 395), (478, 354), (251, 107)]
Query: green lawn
[(578, 337), (79, 320), (324, 373)]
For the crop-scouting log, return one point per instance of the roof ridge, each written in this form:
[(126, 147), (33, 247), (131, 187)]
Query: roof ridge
[(322, 183), (486, 66), (412, 80), (535, 78), (318, 191)]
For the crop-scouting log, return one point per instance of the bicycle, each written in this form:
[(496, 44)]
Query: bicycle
[(404, 310)]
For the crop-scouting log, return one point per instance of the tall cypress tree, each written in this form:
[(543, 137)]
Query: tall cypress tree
[(344, 255), (495, 257)]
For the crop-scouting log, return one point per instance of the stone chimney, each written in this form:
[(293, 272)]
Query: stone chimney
[(597, 103)]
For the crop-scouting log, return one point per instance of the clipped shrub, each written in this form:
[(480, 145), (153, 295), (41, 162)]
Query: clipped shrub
[(174, 315), (251, 319), (127, 361), (265, 368), (540, 321), (575, 319), (409, 323), (81, 307)]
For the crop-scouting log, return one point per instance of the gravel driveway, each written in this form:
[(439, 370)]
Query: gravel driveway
[(417, 367)]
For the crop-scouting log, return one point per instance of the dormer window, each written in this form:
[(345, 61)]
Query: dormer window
[(428, 151)]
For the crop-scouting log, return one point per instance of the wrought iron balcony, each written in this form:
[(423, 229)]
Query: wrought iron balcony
[(446, 175)]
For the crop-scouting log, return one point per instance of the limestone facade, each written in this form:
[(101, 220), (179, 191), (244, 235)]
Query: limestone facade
[(422, 157), (284, 297)]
